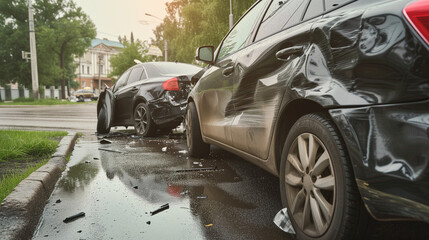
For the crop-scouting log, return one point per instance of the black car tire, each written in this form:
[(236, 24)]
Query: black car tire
[(143, 123), (306, 191), (196, 146), (80, 99), (102, 127)]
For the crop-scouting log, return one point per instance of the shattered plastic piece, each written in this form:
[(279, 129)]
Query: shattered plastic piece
[(196, 163), (110, 150), (202, 197), (160, 209), (74, 217), (209, 225), (58, 201), (282, 221), (148, 222), (79, 231), (164, 149), (197, 169), (105, 141), (184, 192), (183, 151), (136, 187), (135, 137), (96, 158), (87, 162), (200, 164)]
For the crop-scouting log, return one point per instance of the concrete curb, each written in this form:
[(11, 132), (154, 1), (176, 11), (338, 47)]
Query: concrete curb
[(21, 210)]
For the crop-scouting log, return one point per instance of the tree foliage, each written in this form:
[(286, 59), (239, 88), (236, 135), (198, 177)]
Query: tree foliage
[(135, 49), (63, 32), (196, 23)]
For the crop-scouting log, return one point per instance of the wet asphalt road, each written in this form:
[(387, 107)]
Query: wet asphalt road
[(117, 192)]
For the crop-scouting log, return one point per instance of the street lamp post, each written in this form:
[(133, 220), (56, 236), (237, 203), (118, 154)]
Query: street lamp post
[(231, 17), (165, 40), (34, 74), (100, 58)]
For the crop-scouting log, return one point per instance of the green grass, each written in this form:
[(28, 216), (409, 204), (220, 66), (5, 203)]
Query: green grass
[(16, 144), (31, 101), (12, 179)]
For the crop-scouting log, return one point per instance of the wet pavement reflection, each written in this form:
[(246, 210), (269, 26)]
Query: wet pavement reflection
[(221, 197)]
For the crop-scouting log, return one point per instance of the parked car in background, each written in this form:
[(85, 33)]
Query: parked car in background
[(332, 96), (83, 94), (149, 96)]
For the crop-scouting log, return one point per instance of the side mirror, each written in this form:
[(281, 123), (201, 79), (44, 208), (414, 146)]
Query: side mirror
[(205, 54)]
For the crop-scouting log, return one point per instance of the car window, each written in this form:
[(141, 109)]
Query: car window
[(297, 15), (121, 81), (315, 9), (331, 4), (135, 75), (276, 20), (238, 36)]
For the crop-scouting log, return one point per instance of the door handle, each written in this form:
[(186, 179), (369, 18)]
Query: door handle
[(228, 71), (284, 54)]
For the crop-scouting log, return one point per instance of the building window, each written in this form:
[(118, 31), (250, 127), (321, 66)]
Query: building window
[(101, 69), (83, 84), (87, 68), (83, 69)]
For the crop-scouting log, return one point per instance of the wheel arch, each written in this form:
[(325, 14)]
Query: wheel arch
[(298, 108), (137, 102)]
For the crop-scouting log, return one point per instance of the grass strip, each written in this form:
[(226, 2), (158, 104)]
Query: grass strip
[(12, 179), (31, 101)]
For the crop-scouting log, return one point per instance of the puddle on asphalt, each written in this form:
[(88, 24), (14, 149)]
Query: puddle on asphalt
[(117, 191)]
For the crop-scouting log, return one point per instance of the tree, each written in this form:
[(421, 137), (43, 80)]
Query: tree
[(125, 59)]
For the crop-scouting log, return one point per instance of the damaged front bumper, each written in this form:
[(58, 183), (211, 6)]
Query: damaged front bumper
[(389, 150)]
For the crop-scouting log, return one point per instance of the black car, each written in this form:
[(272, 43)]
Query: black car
[(149, 96), (332, 96)]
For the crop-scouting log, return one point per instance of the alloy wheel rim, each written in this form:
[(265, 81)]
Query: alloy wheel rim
[(188, 129), (310, 184), (141, 120)]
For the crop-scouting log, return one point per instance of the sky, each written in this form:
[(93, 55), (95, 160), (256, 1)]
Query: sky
[(114, 18)]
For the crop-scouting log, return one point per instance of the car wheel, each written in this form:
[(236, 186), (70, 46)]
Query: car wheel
[(102, 127), (143, 122), (317, 183), (80, 99), (196, 146)]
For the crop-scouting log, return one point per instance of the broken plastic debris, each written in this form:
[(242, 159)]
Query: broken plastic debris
[(282, 221), (209, 225), (202, 197), (74, 217), (200, 164), (183, 151), (79, 231), (196, 163), (58, 201), (160, 209), (148, 222), (110, 150), (164, 149), (96, 158), (197, 169), (136, 187), (105, 141), (135, 137), (87, 162)]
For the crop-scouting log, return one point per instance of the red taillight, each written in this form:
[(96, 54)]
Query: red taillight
[(171, 84), (417, 14)]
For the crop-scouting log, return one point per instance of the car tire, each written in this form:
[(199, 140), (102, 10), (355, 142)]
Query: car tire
[(196, 146), (102, 127), (143, 123), (80, 99), (317, 184)]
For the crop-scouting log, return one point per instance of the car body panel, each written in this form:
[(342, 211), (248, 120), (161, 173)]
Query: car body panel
[(362, 63)]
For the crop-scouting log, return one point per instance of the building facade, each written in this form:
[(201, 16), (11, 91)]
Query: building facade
[(94, 66)]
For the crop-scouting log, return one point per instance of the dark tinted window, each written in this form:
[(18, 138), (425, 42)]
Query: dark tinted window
[(277, 17), (331, 4), (135, 75), (176, 69), (314, 9), (241, 32), (121, 81)]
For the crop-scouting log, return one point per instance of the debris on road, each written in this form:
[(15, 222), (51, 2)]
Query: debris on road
[(74, 217), (196, 163), (148, 222), (282, 221), (110, 150), (202, 197), (160, 209), (197, 169), (135, 137), (183, 151), (96, 158), (80, 231), (58, 201), (105, 141), (164, 149), (87, 161), (209, 225), (136, 187)]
